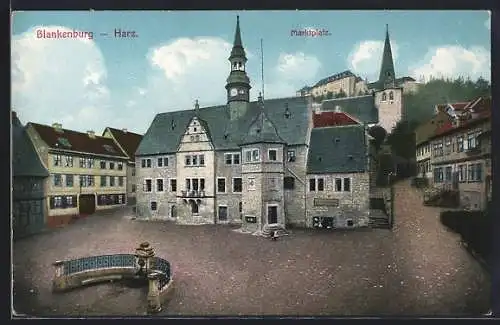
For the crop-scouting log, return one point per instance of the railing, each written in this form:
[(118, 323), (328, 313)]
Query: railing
[(143, 264), (193, 193)]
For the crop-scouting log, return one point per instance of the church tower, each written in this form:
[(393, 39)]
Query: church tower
[(387, 76), (262, 170), (238, 83)]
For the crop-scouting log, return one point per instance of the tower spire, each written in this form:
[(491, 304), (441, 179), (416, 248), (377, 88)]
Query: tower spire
[(387, 75), (238, 50)]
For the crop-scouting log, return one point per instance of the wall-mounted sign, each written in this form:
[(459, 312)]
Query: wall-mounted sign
[(251, 219), (326, 202)]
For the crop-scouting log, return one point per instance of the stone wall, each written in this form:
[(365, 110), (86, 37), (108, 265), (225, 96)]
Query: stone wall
[(389, 111), (352, 205)]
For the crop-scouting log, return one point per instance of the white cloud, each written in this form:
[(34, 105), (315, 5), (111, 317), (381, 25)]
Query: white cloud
[(366, 57), (59, 80), (453, 61), (487, 22)]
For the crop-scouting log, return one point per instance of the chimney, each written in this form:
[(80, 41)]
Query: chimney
[(91, 134), (124, 130), (57, 127)]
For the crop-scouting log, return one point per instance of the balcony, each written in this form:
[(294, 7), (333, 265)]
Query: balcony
[(473, 151), (193, 194)]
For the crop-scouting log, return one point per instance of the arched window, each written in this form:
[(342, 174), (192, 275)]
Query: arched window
[(240, 66), (384, 97), (173, 212), (391, 95)]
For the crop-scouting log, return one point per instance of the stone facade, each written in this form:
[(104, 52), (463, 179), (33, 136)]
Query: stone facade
[(390, 107), (344, 197)]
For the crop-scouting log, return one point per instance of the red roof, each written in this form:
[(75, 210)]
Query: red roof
[(129, 141), (77, 141), (325, 119)]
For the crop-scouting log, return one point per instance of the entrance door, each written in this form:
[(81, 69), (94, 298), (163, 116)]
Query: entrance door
[(272, 214), (87, 204), (173, 212), (222, 213)]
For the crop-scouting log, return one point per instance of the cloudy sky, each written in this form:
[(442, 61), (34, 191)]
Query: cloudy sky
[(178, 57)]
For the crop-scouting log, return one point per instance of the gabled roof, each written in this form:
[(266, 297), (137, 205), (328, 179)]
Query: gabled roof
[(324, 119), (339, 149), (262, 130), (164, 133), (428, 129), (25, 160), (77, 141), (338, 76), (129, 141), (361, 107)]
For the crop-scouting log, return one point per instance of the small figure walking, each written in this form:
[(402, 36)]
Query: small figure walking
[(274, 235)]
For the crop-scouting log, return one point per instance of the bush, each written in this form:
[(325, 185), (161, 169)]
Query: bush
[(474, 227)]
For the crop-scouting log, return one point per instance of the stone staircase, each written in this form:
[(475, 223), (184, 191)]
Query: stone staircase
[(268, 229), (379, 219)]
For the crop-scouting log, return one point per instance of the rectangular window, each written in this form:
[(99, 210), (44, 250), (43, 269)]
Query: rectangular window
[(132, 188), (90, 180), (321, 184), (202, 184), (148, 163), (102, 163), (460, 144), (173, 185), (120, 199), (289, 183), (68, 161), (471, 141), (237, 185), (236, 158), (159, 185), (188, 184), (221, 185), (447, 173), (154, 205), (111, 181), (69, 180), (228, 158), (195, 160), (57, 160), (347, 184), (255, 155), (111, 165), (120, 180), (147, 185), (338, 184), (438, 175), (160, 162), (103, 181), (202, 160), (188, 160), (248, 156), (120, 166), (57, 202), (312, 184), (195, 183), (479, 172), (273, 155), (57, 180)]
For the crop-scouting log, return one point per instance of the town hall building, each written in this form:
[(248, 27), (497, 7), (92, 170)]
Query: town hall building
[(255, 163)]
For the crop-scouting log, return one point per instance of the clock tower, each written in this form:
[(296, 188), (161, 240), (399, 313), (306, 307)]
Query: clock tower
[(238, 83)]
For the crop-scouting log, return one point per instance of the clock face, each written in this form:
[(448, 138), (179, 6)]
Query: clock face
[(234, 92)]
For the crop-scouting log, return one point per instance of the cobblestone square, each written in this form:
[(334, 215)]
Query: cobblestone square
[(418, 268)]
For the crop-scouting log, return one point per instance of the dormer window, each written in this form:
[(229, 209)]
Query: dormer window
[(172, 124)]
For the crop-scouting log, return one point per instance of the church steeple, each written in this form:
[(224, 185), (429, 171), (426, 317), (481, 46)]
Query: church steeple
[(387, 75), (238, 83)]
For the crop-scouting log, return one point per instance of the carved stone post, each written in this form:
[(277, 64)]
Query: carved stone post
[(58, 282), (144, 254), (154, 305)]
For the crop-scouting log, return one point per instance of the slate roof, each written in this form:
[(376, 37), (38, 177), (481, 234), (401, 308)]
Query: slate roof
[(25, 160), (338, 149), (164, 133), (129, 141), (77, 141), (262, 130), (338, 76), (324, 119), (361, 107)]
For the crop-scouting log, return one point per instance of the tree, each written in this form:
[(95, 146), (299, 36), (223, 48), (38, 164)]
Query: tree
[(379, 134), (329, 95), (341, 94)]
